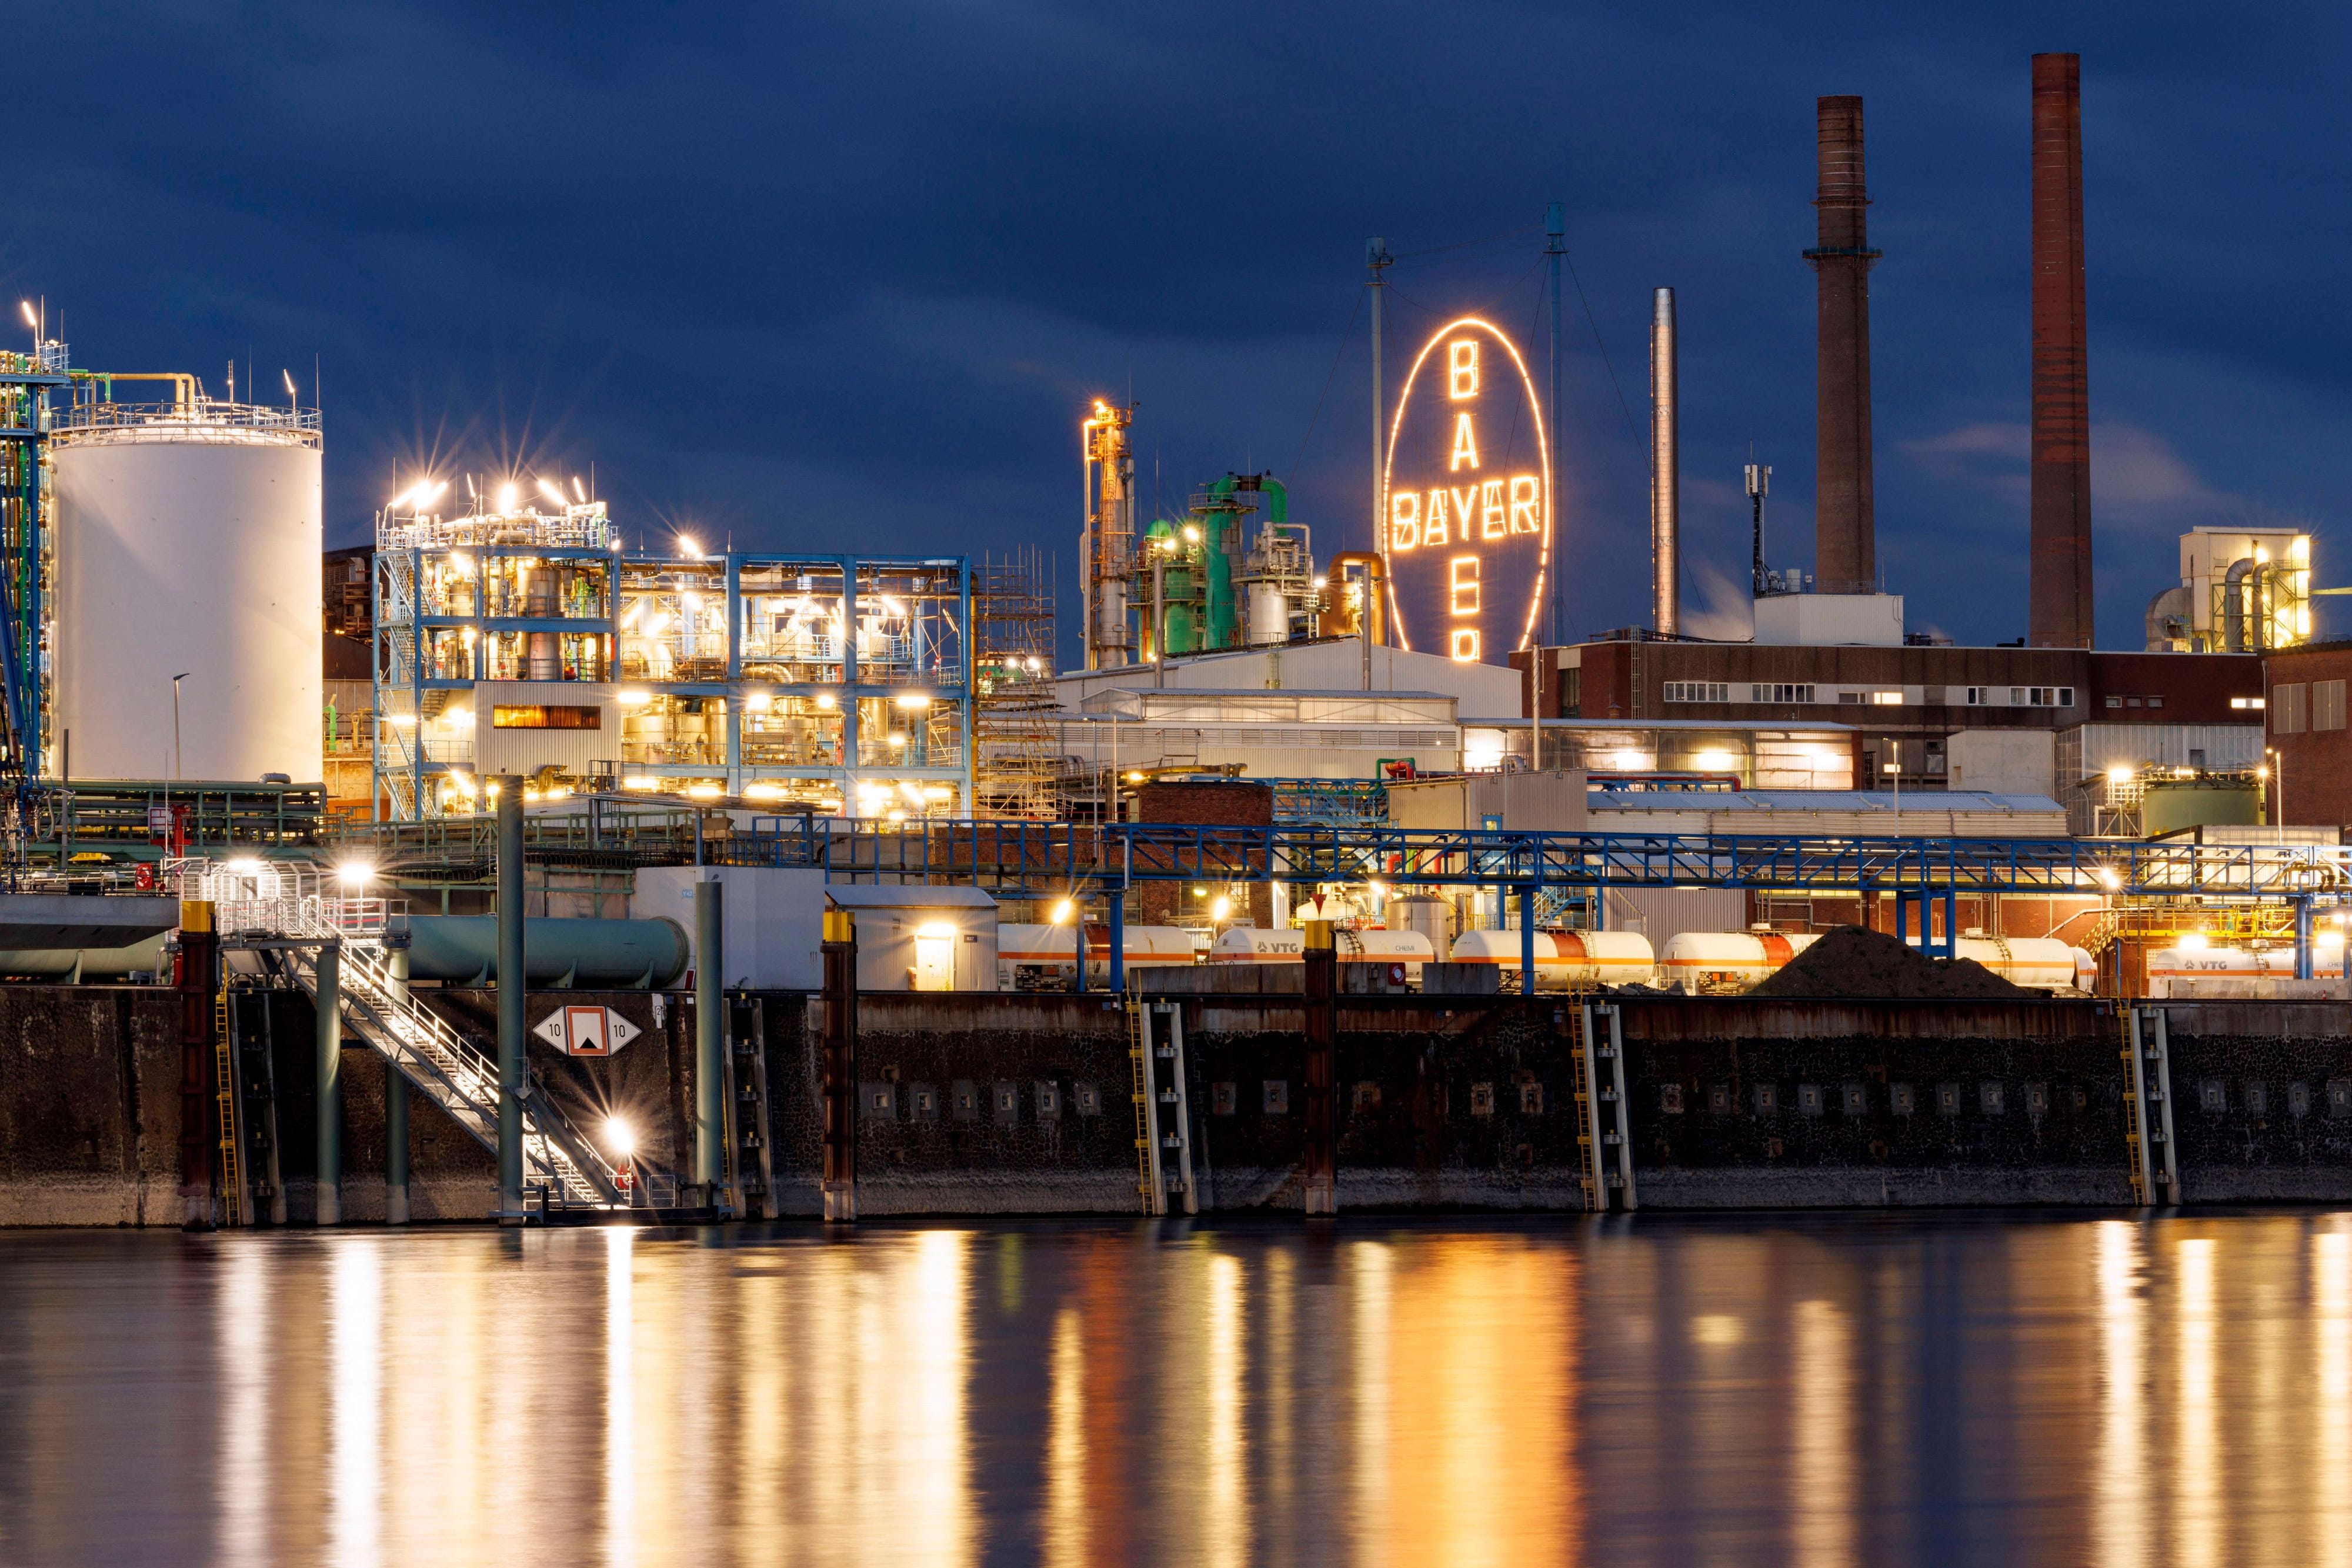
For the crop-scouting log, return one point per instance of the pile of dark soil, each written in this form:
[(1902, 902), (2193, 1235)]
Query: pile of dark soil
[(1850, 962)]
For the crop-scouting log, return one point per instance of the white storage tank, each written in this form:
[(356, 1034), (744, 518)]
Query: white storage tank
[(1269, 614), (1432, 917), (1727, 959), (188, 539), (1255, 944)]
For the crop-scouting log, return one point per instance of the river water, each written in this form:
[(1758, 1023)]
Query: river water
[(1837, 1389)]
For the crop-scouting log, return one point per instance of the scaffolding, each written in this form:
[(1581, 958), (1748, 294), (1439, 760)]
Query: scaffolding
[(27, 552), (1016, 769)]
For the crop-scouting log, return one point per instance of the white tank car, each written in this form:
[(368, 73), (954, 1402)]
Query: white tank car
[(1566, 957), (1045, 957), (2165, 965), (2326, 961), (188, 539), (1716, 961), (1254, 944), (2041, 961)]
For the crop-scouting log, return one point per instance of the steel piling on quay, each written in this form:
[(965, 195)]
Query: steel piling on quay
[(840, 1065), (709, 1044), (1320, 1163), (395, 1108), (512, 979), (197, 977), (331, 1083)]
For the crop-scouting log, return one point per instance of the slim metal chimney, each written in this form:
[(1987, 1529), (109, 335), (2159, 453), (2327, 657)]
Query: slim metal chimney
[(1845, 552), (1666, 458), (2058, 610)]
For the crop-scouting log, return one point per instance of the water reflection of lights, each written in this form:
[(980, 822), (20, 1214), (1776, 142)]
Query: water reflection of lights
[(355, 1475), (620, 1396), (1066, 1536), (2119, 1497), (1821, 1482), (2331, 1291), (2197, 1515)]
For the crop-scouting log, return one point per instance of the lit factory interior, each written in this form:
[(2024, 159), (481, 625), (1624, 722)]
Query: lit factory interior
[(1266, 750)]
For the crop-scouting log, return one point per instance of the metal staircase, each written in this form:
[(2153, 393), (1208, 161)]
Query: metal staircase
[(438, 1060)]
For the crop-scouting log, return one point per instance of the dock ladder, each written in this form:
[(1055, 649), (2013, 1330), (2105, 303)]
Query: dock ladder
[(750, 1162), (234, 1207), (1604, 1131), (2148, 1146), (1163, 1122)]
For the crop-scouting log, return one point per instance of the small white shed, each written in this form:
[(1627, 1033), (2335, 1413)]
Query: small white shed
[(921, 938)]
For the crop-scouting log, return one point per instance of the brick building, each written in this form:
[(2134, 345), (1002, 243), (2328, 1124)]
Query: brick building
[(1908, 703), (2310, 748)]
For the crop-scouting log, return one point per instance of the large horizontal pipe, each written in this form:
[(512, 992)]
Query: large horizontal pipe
[(557, 953), (78, 964)]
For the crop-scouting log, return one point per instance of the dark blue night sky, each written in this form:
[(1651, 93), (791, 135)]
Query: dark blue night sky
[(840, 277)]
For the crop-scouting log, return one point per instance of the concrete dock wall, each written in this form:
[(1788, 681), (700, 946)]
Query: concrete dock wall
[(1021, 1103)]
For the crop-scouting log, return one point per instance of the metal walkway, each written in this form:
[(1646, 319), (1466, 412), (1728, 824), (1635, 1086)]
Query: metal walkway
[(297, 921)]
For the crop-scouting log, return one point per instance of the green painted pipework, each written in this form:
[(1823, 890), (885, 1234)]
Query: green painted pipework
[(1278, 498), (558, 953)]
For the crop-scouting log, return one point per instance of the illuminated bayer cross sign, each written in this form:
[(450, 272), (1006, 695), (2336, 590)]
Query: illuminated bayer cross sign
[(1468, 478)]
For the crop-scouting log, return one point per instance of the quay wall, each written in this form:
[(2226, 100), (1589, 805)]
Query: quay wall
[(1016, 1103)]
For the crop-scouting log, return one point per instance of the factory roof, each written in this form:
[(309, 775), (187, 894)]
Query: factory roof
[(1977, 802)]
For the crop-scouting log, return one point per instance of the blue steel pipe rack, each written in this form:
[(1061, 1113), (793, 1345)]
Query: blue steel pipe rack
[(1076, 860)]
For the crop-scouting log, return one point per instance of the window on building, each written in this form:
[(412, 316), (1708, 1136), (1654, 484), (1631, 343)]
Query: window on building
[(2288, 705), (2156, 701), (545, 716), (1763, 691), (2327, 705), (1698, 691), (2115, 702), (2243, 703), (2042, 697)]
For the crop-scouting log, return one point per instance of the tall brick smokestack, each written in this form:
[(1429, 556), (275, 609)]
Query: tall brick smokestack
[(1845, 552), (2060, 610)]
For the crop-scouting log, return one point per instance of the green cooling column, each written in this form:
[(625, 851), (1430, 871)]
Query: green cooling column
[(511, 979), (709, 1044)]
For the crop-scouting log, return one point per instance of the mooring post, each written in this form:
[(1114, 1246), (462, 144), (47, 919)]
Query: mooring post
[(840, 1068), (511, 979), (199, 950), (331, 1084), (1320, 1164), (709, 1045)]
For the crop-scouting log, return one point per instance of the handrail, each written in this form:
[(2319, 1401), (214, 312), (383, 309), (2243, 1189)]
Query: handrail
[(1058, 855)]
